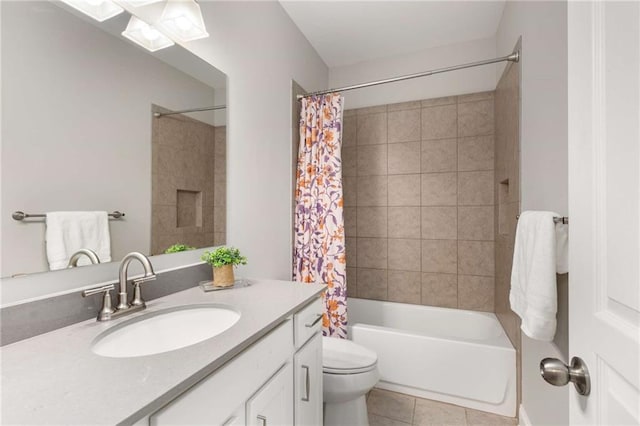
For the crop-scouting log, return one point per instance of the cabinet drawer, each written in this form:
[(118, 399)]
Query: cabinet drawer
[(215, 399), (307, 322)]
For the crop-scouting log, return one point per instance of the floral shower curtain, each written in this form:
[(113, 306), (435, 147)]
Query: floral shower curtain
[(319, 247)]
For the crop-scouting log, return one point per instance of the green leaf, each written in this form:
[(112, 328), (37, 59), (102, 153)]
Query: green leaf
[(224, 256)]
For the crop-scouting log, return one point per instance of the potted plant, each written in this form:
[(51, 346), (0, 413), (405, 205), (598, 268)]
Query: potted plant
[(176, 248), (223, 259)]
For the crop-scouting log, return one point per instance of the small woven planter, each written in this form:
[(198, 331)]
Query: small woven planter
[(223, 276)]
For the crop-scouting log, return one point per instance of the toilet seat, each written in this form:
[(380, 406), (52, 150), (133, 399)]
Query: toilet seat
[(341, 356)]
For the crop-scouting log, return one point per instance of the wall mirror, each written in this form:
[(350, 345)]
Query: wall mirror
[(79, 134)]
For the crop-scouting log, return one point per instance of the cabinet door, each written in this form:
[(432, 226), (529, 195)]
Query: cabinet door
[(308, 383), (272, 405)]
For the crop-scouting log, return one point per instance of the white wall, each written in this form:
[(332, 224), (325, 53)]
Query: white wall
[(261, 50), (76, 127), (543, 27), (447, 84)]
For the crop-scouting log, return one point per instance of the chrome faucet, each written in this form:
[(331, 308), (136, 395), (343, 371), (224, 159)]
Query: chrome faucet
[(149, 275), (124, 307), (92, 255)]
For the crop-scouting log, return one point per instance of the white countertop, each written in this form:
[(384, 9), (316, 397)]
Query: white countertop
[(55, 378)]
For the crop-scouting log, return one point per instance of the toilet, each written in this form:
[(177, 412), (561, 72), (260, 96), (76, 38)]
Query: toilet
[(349, 371)]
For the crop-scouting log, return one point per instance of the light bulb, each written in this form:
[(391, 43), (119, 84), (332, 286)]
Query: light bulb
[(150, 33), (183, 23)]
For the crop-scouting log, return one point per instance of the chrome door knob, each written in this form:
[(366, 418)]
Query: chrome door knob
[(557, 373)]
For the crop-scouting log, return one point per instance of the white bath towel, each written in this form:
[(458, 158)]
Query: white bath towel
[(68, 232), (533, 293)]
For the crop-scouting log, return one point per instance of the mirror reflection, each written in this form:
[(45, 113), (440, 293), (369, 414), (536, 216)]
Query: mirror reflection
[(107, 148)]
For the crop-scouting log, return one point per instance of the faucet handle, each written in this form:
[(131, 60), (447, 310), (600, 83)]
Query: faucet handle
[(137, 299), (107, 310)]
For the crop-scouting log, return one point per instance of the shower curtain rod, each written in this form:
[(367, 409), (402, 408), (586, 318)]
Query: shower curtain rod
[(514, 57), (162, 114)]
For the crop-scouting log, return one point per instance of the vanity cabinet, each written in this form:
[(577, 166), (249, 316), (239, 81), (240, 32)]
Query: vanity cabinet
[(276, 381), (273, 403), (308, 383)]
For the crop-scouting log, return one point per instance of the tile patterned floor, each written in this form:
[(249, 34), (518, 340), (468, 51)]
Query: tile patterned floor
[(396, 409)]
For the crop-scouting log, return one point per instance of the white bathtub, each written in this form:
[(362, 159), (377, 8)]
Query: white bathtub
[(450, 355)]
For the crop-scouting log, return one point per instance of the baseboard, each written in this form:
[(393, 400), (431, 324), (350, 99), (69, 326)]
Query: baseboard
[(523, 418)]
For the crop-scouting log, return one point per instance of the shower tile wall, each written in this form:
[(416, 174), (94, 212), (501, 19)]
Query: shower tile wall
[(188, 183), (507, 195), (419, 201)]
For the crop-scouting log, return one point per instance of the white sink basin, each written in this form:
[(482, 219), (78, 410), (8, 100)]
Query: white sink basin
[(165, 330)]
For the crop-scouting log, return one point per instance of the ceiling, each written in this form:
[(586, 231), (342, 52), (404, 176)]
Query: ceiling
[(347, 32)]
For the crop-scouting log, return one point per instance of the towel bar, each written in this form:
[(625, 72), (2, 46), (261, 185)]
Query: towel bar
[(564, 219), (18, 215)]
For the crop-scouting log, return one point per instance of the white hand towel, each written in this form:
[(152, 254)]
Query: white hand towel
[(533, 294), (68, 232)]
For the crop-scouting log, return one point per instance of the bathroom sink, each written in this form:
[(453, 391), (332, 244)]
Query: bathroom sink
[(165, 330)]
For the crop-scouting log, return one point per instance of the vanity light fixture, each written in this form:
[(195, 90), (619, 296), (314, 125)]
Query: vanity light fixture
[(182, 21), (100, 10), (146, 35), (138, 3)]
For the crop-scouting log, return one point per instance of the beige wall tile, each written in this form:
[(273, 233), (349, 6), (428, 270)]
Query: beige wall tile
[(391, 405), (219, 238), (352, 282), (403, 222), (349, 130), (448, 100), (475, 118), (372, 222), (349, 112), (440, 290), (404, 126), (476, 293), (351, 248), (439, 223), (349, 161), (479, 96), (439, 256), (475, 153), (220, 219), (372, 253), (372, 129), (476, 258), (475, 188), (164, 219), (405, 190), (404, 255), (439, 122), (404, 286), (404, 158), (439, 189), (476, 223), (438, 155), (372, 191), (219, 193), (350, 190), (371, 110), (404, 105), (372, 283), (372, 160), (350, 221)]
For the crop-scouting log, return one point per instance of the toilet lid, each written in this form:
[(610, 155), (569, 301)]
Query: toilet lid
[(341, 356)]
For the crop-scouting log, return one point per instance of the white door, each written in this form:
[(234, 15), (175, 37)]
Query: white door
[(308, 383), (604, 192)]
